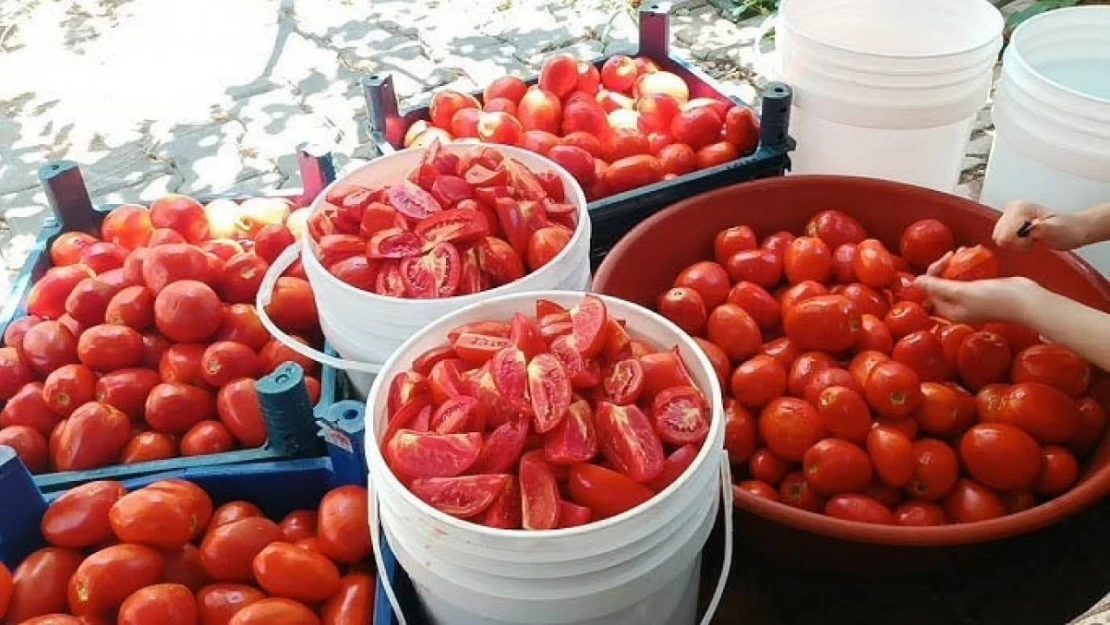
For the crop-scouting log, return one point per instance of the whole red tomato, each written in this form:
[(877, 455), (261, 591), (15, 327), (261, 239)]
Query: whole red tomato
[(89, 299), (858, 508), (686, 308), (1043, 411), (127, 390), (224, 361), (923, 352), (734, 331), (807, 258), (184, 567), (756, 488), (740, 432), (275, 612), (874, 265), (919, 513), (632, 172), (1059, 471), (1053, 365), (166, 604), (972, 263), (132, 306), (29, 407), (796, 492), (936, 469), (353, 604), (342, 524), (166, 264), (285, 570), (826, 322), (48, 295), (39, 583), (697, 127), (173, 408), (758, 380), (239, 409), (180, 213), (242, 275), (46, 347), (228, 550), (218, 603), (107, 348), (93, 436), (154, 517), (148, 446), (709, 279), (969, 501), (835, 228), (833, 466), (790, 426), (67, 248), (757, 302), (242, 325), (292, 306), (206, 437), (29, 445), (106, 578), (79, 518), (925, 242), (68, 387), (893, 389), (891, 454), (188, 311), (983, 358)]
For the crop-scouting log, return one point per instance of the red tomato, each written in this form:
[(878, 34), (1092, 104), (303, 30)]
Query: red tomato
[(168, 604), (540, 110), (173, 408), (834, 466), (228, 550), (874, 265), (446, 103), (16, 330), (1044, 412), (148, 446), (893, 389), (29, 407), (892, 455), (632, 172), (188, 311), (93, 436), (756, 488), (758, 380), (103, 257), (942, 411), (707, 278), (765, 466), (275, 612), (791, 295), (681, 416), (1053, 365), (29, 445), (844, 413), (972, 263), (631, 444), (1059, 471), (732, 240), (686, 308), (742, 129), (807, 258), (923, 352), (605, 492), (919, 513), (89, 299), (740, 432), (292, 306), (983, 358), (858, 508), (936, 470), (242, 325), (545, 244), (826, 322), (835, 229), (342, 524), (758, 303), (68, 387), (874, 335), (762, 267), (796, 492), (716, 154), (790, 426), (132, 306), (109, 347), (509, 87), (241, 277), (805, 367), (182, 214), (67, 248), (225, 361), (925, 242), (218, 603), (559, 75), (239, 410), (167, 264), (843, 259), (697, 127), (206, 437), (79, 518), (106, 578), (619, 73), (48, 296), (1092, 423), (353, 604), (732, 329), (285, 570), (951, 337), (39, 584), (969, 501)]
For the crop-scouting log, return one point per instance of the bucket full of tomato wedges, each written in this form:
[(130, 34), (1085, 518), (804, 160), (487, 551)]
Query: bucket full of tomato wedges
[(418, 234), (549, 457)]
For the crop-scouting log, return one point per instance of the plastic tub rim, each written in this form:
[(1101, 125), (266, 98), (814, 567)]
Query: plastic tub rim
[(1086, 493), (1015, 56)]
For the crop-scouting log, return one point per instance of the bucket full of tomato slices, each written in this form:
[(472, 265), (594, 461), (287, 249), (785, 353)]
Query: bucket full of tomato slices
[(418, 234), (550, 457)]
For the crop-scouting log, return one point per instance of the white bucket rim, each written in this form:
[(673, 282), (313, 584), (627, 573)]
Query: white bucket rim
[(584, 229), (1029, 28), (995, 17), (716, 425)]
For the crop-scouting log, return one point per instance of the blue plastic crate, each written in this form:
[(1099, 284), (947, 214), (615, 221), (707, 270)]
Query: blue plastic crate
[(289, 427)]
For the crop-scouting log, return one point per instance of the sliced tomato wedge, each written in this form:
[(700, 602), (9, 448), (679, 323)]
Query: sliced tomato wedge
[(525, 336), (424, 362), (458, 415), (589, 318), (539, 493), (499, 261), (412, 201), (389, 281), (605, 492), (625, 382), (424, 454), (555, 326), (584, 372), (436, 274), (487, 328), (444, 381), (479, 348), (510, 373), (482, 176), (496, 409), (681, 415), (524, 181), (574, 439), (504, 512), (662, 370), (403, 388), (377, 217), (449, 190), (461, 497), (549, 388), (545, 307), (512, 220), (473, 279), (617, 341), (534, 216), (503, 447), (629, 442), (393, 243), (573, 515), (333, 248), (455, 225)]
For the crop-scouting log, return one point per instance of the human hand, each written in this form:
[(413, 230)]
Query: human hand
[(1060, 232), (1000, 299)]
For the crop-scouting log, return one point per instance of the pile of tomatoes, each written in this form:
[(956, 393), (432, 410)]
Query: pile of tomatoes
[(543, 422), (456, 225), (845, 396), (626, 126), (144, 343), (161, 555)]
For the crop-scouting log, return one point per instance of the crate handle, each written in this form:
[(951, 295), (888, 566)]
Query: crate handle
[(265, 295)]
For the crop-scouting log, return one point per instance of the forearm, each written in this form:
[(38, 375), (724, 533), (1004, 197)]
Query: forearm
[(1096, 223), (1082, 329)]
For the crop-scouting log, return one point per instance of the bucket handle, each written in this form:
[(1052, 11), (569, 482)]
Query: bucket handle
[(710, 610), (762, 61), (265, 295)]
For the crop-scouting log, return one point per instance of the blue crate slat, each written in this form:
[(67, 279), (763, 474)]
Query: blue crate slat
[(343, 428), (73, 209), (22, 507)]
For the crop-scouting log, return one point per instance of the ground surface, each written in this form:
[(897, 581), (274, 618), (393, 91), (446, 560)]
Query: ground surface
[(151, 96)]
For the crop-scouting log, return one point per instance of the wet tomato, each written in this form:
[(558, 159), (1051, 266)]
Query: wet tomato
[(893, 389), (342, 524), (106, 578), (925, 242), (79, 518), (39, 583), (1043, 411), (790, 427), (173, 408), (218, 603), (1053, 365), (969, 501), (859, 508), (826, 322), (971, 263), (891, 455), (834, 466)]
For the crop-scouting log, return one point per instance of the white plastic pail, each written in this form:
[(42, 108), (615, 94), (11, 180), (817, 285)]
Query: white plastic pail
[(886, 88), (366, 328), (1052, 117), (635, 568)]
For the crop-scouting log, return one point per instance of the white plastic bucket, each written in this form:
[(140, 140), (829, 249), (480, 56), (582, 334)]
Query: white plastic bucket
[(1052, 117), (366, 328), (638, 567), (885, 88)]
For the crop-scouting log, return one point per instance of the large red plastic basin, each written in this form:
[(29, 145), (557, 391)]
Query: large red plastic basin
[(645, 262)]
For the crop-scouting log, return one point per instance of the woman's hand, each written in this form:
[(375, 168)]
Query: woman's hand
[(1001, 299), (1063, 232)]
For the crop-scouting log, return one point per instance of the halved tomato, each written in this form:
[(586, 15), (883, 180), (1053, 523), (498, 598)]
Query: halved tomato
[(629, 442), (550, 391), (461, 497), (539, 493), (423, 454), (574, 439)]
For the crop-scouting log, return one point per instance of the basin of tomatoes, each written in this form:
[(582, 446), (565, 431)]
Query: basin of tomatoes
[(144, 344), (846, 397), (162, 555), (624, 125), (458, 223), (543, 422)]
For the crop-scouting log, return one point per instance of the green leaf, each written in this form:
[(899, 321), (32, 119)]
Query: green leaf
[(1030, 11)]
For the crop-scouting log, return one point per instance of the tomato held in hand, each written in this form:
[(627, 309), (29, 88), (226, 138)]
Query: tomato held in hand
[(971, 263)]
